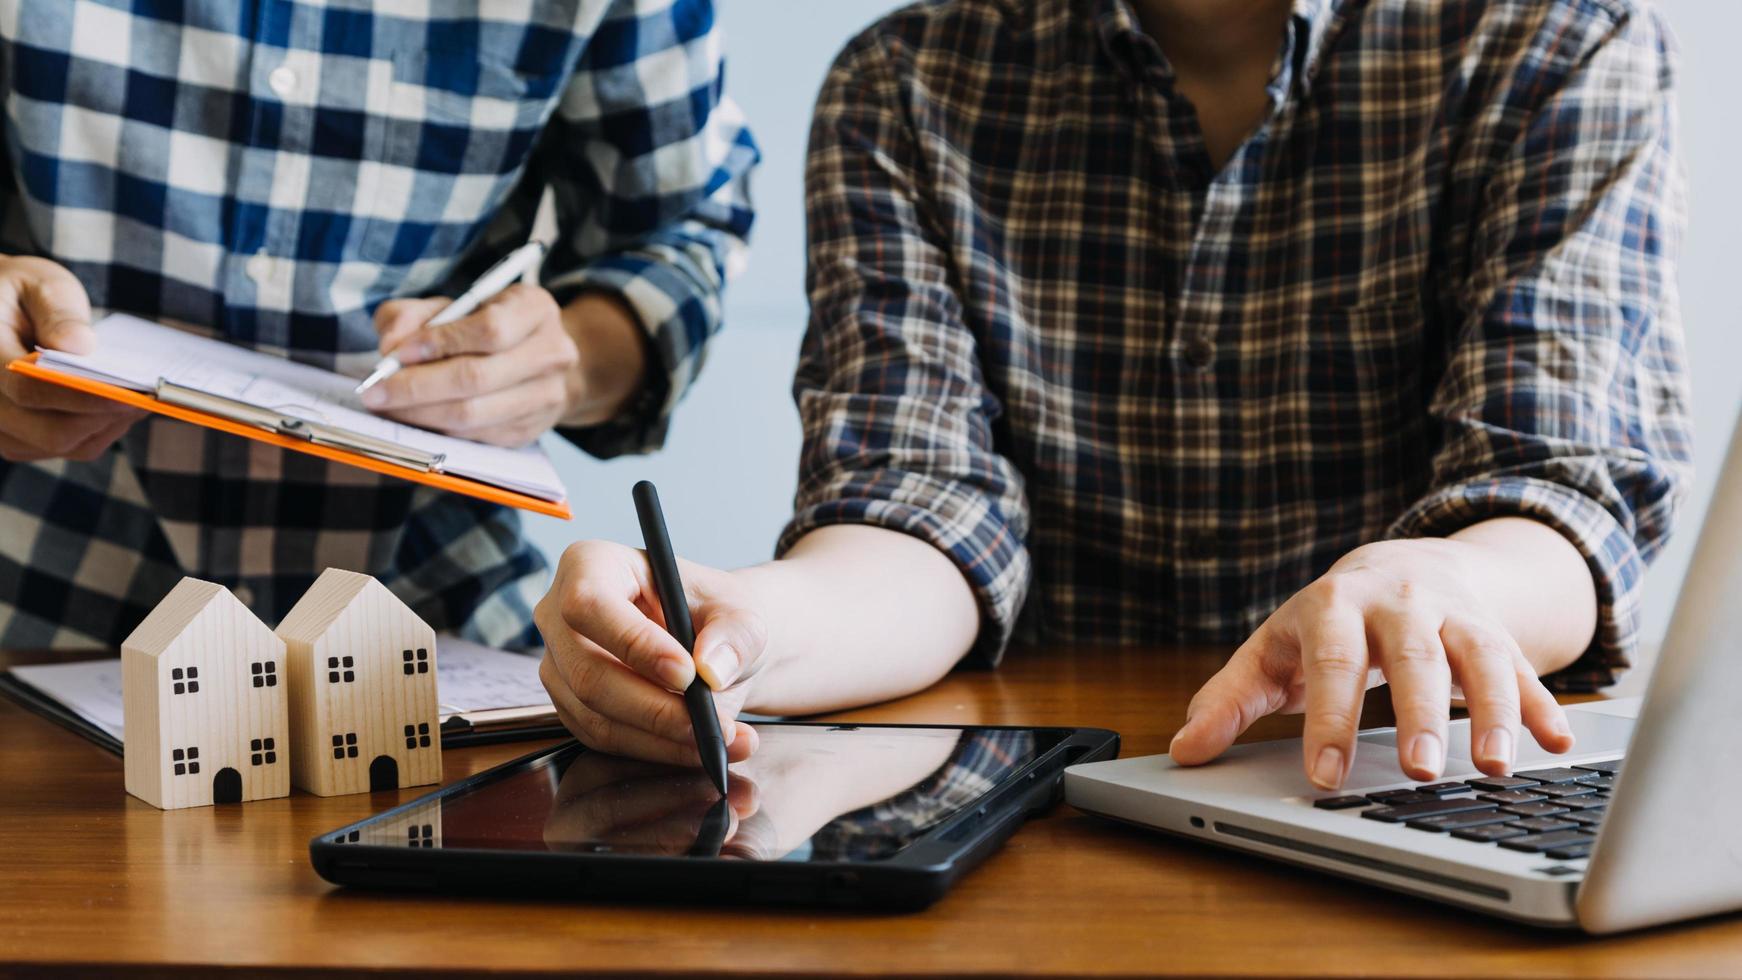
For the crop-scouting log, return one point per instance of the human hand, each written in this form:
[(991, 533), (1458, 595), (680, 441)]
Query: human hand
[(614, 673), (42, 304), (512, 369), (1410, 611)]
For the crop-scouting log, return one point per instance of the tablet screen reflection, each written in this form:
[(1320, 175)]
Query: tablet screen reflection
[(810, 793)]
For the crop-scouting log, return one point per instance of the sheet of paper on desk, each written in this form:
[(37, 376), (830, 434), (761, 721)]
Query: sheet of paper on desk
[(474, 681), (134, 353)]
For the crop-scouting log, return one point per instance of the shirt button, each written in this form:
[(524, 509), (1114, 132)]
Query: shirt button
[(282, 80), (259, 267), (1200, 353)]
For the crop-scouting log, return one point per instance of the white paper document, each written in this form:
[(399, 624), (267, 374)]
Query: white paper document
[(474, 681), (136, 354)]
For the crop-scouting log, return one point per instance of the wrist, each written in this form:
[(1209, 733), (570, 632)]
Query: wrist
[(613, 363)]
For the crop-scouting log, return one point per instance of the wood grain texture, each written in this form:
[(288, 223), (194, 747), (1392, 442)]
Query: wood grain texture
[(202, 721), (93, 882), (362, 688)]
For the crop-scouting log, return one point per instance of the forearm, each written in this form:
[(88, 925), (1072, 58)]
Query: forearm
[(857, 614), (1538, 584)]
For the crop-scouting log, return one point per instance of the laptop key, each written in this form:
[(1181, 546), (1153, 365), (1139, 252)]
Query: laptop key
[(1458, 821), (1609, 768), (1342, 802), (1583, 803), (1555, 775), (1497, 783), (1589, 818), (1488, 834), (1537, 843), (1544, 809), (1570, 853), (1443, 789), (1542, 825), (1559, 790), (1431, 808), (1512, 796), (1598, 782)]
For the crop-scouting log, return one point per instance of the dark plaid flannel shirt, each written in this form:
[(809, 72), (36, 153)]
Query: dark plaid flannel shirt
[(1137, 399)]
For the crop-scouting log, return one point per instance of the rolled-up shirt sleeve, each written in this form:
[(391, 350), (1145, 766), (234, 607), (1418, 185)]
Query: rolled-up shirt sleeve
[(898, 421), (1565, 397), (649, 164)]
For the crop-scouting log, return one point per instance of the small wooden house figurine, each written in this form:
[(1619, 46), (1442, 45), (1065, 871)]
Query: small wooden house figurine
[(363, 713), (203, 695)]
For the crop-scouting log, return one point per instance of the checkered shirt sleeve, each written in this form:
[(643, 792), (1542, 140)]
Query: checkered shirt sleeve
[(897, 416), (1564, 397)]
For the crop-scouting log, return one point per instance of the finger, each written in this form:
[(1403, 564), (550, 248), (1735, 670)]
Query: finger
[(94, 447), (42, 396), (596, 611), (54, 433), (1241, 693), (1483, 660), (1408, 649), (498, 325), (475, 411), (1333, 641), (604, 735), (523, 431), (1541, 713), (398, 319), (59, 312), (729, 644), (605, 685)]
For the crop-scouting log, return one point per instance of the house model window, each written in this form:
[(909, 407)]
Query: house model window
[(415, 664), (187, 761), (334, 675), (263, 751), (265, 673), (186, 682), (417, 736), (420, 835), (345, 745)]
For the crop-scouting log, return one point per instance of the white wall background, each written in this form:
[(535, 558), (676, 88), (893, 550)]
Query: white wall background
[(727, 474)]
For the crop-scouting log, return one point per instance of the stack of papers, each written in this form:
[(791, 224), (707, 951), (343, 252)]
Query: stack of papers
[(478, 686), (137, 354)]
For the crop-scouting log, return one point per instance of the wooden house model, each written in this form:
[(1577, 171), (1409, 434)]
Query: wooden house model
[(204, 701), (363, 712)]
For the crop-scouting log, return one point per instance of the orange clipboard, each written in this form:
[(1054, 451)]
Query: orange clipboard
[(28, 367)]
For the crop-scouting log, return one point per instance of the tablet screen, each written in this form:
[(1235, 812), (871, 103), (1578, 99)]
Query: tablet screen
[(809, 793)]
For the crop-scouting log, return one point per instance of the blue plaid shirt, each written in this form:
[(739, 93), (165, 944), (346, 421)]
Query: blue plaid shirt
[(1141, 398), (269, 172)]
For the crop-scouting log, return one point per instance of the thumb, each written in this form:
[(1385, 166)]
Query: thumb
[(729, 645), (59, 313), (397, 319), (1228, 703)]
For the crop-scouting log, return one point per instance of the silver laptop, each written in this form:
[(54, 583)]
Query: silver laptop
[(1640, 824)]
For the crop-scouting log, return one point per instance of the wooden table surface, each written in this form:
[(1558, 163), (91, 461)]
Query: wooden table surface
[(92, 880)]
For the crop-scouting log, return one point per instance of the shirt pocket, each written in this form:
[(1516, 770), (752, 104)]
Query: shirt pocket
[(449, 137)]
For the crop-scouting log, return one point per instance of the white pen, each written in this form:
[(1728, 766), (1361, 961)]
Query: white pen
[(500, 277)]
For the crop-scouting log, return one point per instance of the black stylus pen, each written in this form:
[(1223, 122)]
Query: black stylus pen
[(697, 697)]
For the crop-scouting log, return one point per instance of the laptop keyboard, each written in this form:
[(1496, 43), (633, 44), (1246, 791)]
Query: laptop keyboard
[(1545, 811)]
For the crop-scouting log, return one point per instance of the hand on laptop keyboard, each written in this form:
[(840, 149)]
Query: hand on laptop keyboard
[(1425, 613)]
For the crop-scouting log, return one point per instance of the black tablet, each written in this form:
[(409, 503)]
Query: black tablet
[(881, 816)]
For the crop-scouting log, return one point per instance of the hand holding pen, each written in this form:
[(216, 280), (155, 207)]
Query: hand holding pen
[(613, 671), (504, 363)]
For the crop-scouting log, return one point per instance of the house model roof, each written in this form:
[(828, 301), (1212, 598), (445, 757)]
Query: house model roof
[(188, 602), (328, 599)]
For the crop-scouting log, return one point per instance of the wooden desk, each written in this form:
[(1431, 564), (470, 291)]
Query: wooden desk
[(92, 881)]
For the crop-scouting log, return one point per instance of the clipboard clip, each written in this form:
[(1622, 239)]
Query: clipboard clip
[(292, 427)]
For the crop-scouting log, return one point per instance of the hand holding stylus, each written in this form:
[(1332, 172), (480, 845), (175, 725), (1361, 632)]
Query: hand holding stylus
[(613, 671)]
